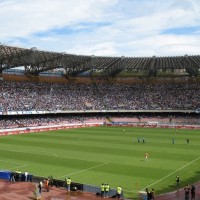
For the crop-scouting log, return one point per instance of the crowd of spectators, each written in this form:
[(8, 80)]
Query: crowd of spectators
[(34, 96), (45, 120), (8, 122)]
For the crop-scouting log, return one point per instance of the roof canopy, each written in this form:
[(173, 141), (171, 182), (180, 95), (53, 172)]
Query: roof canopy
[(36, 61)]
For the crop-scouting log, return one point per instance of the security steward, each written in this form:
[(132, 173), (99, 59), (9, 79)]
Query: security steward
[(68, 182), (107, 189), (119, 192), (102, 190)]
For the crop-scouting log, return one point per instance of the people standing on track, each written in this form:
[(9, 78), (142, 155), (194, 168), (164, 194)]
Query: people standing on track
[(68, 183), (148, 195), (119, 192), (107, 189), (37, 193), (102, 190), (50, 180), (192, 190), (147, 191), (187, 192), (17, 175), (26, 176), (46, 184), (40, 185), (12, 177), (152, 194)]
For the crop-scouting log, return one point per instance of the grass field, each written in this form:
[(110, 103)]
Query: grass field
[(107, 154)]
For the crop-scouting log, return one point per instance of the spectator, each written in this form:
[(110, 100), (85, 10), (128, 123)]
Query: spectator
[(25, 176)]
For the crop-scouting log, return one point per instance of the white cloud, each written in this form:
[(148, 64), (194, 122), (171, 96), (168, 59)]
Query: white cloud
[(21, 18), (102, 27)]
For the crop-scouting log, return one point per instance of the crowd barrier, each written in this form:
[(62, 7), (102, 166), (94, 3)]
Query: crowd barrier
[(145, 125), (142, 195), (27, 130), (6, 175)]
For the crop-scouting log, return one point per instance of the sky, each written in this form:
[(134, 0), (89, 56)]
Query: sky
[(130, 28)]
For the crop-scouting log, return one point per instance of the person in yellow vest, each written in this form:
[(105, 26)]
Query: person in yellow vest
[(107, 189), (102, 190), (119, 192), (68, 183)]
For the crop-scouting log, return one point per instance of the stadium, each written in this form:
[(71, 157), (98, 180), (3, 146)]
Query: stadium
[(93, 118)]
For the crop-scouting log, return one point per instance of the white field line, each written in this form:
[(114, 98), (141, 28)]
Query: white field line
[(172, 172), (84, 170), (16, 167), (135, 191), (32, 152), (53, 154)]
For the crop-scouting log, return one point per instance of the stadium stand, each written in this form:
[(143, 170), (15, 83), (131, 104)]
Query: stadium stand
[(28, 99), (38, 96)]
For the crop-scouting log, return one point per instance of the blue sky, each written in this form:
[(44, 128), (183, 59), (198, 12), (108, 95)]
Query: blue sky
[(132, 28)]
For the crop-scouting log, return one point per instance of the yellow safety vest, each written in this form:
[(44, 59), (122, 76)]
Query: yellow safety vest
[(69, 181), (102, 187), (107, 187), (119, 190)]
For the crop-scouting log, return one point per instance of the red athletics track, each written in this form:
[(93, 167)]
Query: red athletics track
[(24, 191)]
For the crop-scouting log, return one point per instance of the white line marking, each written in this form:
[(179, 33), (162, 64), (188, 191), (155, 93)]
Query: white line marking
[(41, 152), (84, 170), (32, 151), (172, 172), (135, 191), (17, 167)]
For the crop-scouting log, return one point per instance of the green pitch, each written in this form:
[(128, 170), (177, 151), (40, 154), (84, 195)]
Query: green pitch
[(108, 154)]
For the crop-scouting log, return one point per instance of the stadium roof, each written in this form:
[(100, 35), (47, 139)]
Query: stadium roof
[(36, 61)]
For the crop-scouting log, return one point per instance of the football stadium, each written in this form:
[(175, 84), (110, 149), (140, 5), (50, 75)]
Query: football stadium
[(130, 122)]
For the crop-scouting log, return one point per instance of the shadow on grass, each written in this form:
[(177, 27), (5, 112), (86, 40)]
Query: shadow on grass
[(183, 182)]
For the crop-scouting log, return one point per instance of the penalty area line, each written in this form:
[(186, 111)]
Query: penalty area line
[(85, 169)]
